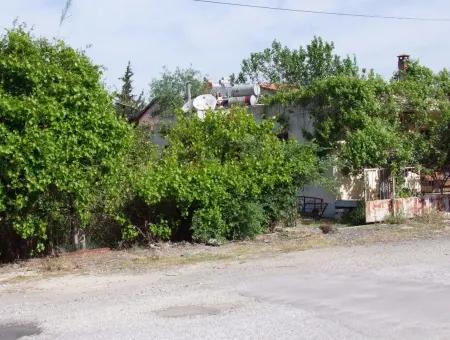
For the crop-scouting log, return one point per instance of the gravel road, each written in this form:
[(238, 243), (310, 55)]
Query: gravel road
[(392, 290)]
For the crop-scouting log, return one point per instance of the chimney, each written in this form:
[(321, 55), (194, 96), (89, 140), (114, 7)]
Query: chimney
[(188, 92), (403, 61)]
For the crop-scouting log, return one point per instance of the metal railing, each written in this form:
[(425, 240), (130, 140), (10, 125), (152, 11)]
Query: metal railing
[(311, 206)]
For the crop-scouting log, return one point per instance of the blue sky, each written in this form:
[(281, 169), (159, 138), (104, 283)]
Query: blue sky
[(215, 39)]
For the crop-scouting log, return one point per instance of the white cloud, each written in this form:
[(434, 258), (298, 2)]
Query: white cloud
[(214, 39)]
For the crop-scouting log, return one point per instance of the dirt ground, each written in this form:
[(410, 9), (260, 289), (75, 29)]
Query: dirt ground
[(307, 234), (371, 282)]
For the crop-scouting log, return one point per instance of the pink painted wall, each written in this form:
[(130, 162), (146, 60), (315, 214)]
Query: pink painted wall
[(379, 210)]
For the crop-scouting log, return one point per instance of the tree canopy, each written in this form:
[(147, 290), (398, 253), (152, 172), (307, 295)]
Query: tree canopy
[(170, 88), (302, 66), (127, 104), (60, 141), (370, 122)]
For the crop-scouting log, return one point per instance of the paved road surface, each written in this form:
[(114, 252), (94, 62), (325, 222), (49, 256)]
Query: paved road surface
[(398, 291)]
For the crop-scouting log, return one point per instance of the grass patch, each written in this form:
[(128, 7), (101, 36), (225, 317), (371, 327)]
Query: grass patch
[(434, 218), (395, 219)]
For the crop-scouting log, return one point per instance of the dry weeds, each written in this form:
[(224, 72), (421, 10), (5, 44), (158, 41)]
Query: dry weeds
[(305, 235)]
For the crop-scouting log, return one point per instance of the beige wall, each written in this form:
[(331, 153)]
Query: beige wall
[(350, 187)]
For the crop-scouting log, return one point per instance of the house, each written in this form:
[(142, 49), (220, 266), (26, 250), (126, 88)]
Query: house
[(298, 122), (371, 185), (148, 117), (152, 121)]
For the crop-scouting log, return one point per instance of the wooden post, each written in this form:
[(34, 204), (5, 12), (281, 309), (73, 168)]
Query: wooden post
[(393, 196)]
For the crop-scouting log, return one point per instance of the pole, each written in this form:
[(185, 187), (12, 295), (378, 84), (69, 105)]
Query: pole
[(393, 196)]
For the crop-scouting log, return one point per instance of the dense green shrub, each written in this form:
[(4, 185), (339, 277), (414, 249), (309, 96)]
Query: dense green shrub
[(356, 216), (220, 178), (377, 144), (365, 121), (62, 148)]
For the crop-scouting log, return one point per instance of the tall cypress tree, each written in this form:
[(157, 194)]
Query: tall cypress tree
[(127, 105)]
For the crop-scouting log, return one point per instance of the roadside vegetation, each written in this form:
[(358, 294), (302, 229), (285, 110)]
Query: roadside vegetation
[(63, 149), (225, 177), (304, 235), (365, 121), (74, 172)]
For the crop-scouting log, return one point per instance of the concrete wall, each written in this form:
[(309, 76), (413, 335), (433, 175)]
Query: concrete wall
[(379, 210), (327, 196), (350, 187), (298, 118)]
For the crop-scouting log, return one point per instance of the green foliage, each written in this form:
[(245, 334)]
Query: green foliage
[(368, 122), (435, 151), (302, 66), (342, 104), (127, 105), (416, 94), (161, 231), (110, 210), (425, 117), (130, 232), (356, 216), (246, 219), (170, 88), (217, 176), (61, 142), (208, 224), (376, 144)]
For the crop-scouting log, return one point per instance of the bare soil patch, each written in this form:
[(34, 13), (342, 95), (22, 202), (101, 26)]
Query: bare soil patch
[(307, 234)]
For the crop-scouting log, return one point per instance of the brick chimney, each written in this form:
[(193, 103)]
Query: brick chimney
[(403, 61)]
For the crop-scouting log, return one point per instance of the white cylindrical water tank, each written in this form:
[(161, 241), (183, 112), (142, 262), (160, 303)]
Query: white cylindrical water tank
[(245, 90), (244, 100), (236, 90)]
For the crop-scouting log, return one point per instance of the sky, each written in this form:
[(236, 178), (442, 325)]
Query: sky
[(214, 39)]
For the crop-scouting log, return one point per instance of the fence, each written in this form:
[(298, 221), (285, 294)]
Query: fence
[(379, 210)]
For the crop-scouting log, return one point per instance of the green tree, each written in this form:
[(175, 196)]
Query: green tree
[(376, 144), (422, 99), (170, 88), (435, 155), (416, 95), (61, 143), (302, 66), (369, 122), (340, 104), (127, 105), (224, 177)]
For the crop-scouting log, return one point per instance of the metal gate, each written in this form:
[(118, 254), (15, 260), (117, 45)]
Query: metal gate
[(378, 184)]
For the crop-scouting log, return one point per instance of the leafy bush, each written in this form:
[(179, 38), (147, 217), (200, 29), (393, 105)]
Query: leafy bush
[(367, 122), (62, 148), (377, 144), (161, 231), (356, 216), (217, 177)]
